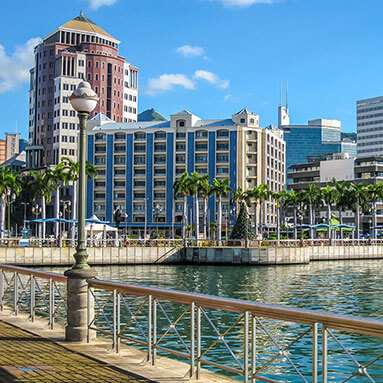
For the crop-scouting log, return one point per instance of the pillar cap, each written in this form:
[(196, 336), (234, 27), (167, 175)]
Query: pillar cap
[(81, 273)]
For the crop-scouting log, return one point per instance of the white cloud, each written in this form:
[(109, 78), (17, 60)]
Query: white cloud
[(14, 70), (95, 4), (231, 98), (212, 78), (167, 82), (189, 51), (243, 3)]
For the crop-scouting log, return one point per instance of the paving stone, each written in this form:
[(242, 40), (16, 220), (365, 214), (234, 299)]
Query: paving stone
[(25, 357)]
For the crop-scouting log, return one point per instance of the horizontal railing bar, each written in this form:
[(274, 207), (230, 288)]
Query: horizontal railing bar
[(100, 330), (262, 379), (141, 342), (36, 273), (170, 351), (234, 370), (355, 324)]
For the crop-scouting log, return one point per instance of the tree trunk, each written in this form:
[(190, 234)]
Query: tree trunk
[(278, 224), (329, 222), (311, 220), (57, 211), (357, 217), (341, 222), (219, 234), (184, 218), (2, 215), (196, 219), (74, 209), (373, 231), (205, 218), (261, 219), (43, 216), (256, 220), (295, 223)]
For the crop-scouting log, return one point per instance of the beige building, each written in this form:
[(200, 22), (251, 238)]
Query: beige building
[(138, 163)]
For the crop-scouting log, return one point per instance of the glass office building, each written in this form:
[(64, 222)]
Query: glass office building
[(317, 137)]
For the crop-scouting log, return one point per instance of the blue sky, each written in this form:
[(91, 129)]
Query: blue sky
[(214, 57)]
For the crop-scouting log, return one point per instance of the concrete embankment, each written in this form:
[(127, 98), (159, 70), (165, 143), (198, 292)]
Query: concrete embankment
[(51, 256)]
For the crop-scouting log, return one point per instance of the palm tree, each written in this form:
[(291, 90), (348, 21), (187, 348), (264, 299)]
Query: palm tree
[(206, 191), (195, 183), (375, 191), (59, 175), (72, 171), (330, 196), (221, 189), (42, 186), (358, 195), (313, 199), (260, 194), (292, 199), (344, 201), (278, 197), (181, 186), (9, 183)]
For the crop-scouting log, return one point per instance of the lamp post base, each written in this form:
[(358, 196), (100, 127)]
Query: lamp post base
[(77, 303)]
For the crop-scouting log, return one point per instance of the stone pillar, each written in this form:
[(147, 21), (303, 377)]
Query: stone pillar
[(77, 302)]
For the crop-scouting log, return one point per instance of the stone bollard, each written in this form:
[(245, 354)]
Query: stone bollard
[(77, 303)]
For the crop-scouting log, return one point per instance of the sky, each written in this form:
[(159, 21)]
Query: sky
[(215, 57)]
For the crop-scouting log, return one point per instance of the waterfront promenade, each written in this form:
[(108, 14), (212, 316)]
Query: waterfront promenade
[(30, 352)]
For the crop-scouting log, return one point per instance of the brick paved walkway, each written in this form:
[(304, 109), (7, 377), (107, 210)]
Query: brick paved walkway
[(25, 357)]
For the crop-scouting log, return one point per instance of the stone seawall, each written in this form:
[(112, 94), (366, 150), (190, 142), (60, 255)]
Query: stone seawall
[(52, 256), (36, 256), (279, 256)]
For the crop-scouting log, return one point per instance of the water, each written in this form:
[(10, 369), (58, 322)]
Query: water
[(343, 287)]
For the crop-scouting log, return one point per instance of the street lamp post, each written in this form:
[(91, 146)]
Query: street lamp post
[(25, 204), (83, 100), (126, 223)]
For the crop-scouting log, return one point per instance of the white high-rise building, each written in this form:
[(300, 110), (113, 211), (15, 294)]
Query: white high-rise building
[(369, 115)]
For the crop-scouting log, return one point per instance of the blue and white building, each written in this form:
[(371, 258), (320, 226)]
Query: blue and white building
[(138, 162)]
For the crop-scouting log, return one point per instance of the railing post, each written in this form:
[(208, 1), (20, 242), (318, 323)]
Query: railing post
[(15, 293), (246, 347), (198, 342), (324, 354), (315, 353), (89, 319), (114, 319), (118, 321), (1, 290), (192, 339), (150, 325), (253, 347), (33, 298), (154, 331), (51, 303)]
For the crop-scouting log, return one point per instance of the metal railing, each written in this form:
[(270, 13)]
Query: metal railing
[(33, 291), (167, 242), (191, 326)]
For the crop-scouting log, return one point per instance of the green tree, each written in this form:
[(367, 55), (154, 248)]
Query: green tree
[(182, 186), (330, 197), (259, 195), (243, 229), (9, 183), (206, 191), (359, 198), (292, 199), (72, 171), (221, 189), (374, 191), (313, 199), (42, 187), (279, 197)]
